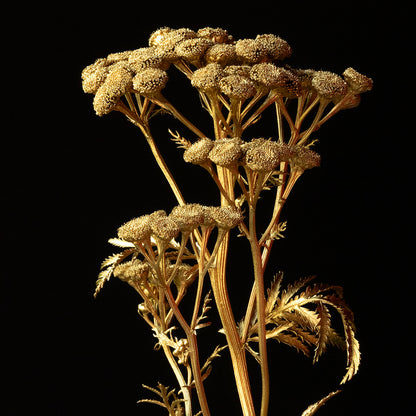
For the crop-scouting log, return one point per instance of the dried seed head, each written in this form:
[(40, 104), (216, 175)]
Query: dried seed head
[(137, 229), (132, 270), (242, 70), (187, 217), (221, 53), (117, 83), (265, 155), (113, 58), (193, 49), (276, 48), (93, 80), (158, 37), (270, 76), (329, 85), (143, 58), (166, 40), (237, 87), (162, 226), (304, 158), (251, 51), (150, 81), (226, 152), (227, 216), (217, 35), (198, 152), (207, 78), (357, 82)]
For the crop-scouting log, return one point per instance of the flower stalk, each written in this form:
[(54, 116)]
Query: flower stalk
[(163, 254)]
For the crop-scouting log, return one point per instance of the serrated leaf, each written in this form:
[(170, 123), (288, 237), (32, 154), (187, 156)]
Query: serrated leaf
[(324, 328), (314, 407), (273, 292), (120, 243)]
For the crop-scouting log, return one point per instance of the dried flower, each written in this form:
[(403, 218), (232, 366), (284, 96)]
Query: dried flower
[(221, 53), (132, 270), (198, 152), (227, 151), (135, 230), (207, 78), (187, 217), (265, 155), (113, 58), (275, 47), (304, 158), (162, 226), (193, 50), (150, 81), (242, 70), (217, 35), (251, 51), (329, 85), (267, 75), (357, 82), (167, 39), (94, 77), (237, 86), (143, 58), (226, 216), (117, 83)]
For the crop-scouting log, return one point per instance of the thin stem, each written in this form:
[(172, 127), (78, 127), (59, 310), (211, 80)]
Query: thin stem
[(179, 377)]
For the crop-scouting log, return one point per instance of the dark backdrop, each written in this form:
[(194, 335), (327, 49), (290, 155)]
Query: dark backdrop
[(71, 178)]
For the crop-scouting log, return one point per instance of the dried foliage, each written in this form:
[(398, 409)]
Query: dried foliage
[(162, 254)]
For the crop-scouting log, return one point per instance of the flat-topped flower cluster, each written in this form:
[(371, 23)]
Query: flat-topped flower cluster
[(215, 63)]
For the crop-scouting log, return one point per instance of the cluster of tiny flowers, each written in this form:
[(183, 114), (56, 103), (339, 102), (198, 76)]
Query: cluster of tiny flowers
[(183, 218), (259, 155), (238, 69)]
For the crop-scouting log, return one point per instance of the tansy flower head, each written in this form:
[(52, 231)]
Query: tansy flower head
[(237, 86), (193, 50), (304, 158), (133, 270), (217, 35), (135, 230), (150, 81), (226, 216), (207, 78), (329, 85), (162, 226), (265, 155), (221, 53), (226, 152), (198, 152), (187, 217), (357, 82)]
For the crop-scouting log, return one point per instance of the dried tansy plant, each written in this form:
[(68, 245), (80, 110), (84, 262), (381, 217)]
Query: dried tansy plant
[(162, 254)]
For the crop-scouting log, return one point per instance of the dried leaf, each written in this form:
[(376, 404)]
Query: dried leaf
[(314, 407), (324, 328), (120, 243)]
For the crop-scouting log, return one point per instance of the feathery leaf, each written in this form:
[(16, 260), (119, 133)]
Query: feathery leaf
[(314, 407)]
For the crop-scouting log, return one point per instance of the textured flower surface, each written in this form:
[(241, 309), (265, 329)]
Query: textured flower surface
[(238, 82)]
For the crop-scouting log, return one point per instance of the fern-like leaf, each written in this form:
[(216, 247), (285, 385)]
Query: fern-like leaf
[(311, 410), (323, 329), (120, 243), (111, 263), (180, 141)]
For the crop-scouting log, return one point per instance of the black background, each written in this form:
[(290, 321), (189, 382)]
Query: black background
[(71, 178)]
